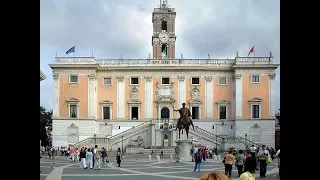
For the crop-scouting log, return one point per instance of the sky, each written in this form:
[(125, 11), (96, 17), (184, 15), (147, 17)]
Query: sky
[(113, 27)]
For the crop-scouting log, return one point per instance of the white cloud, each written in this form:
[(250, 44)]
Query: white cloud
[(218, 27)]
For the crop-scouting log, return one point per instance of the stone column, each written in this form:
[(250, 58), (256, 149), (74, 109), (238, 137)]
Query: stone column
[(272, 96), (238, 79), (91, 96), (121, 98), (209, 98), (148, 98), (56, 96)]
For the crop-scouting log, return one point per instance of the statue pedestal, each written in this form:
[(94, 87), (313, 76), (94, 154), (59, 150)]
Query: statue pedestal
[(185, 147), (165, 142)]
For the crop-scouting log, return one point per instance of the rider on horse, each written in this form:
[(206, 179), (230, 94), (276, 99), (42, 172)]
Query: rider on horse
[(184, 112)]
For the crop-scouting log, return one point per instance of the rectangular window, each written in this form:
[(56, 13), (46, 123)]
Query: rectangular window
[(195, 81), (73, 111), (223, 112), (107, 81), (222, 80), (255, 111), (134, 113), (255, 79), (134, 81), (195, 113), (165, 81), (106, 112), (73, 79)]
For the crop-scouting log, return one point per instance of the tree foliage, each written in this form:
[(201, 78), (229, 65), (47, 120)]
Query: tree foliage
[(45, 126)]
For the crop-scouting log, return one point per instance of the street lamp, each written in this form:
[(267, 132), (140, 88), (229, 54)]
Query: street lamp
[(95, 141), (122, 144)]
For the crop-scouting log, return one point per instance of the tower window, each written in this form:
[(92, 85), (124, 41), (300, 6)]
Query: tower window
[(164, 49), (164, 25)]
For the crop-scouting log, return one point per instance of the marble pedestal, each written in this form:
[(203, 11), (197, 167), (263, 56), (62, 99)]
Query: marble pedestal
[(185, 147)]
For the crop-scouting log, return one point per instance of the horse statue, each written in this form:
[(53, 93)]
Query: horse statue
[(185, 120)]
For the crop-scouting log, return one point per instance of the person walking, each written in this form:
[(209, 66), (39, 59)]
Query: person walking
[(197, 159), (240, 162), (262, 157), (228, 163), (119, 157)]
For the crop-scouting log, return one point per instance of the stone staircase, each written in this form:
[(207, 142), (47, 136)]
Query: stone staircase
[(111, 142), (107, 142)]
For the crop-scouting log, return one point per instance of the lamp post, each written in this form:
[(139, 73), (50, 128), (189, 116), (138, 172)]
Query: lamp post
[(122, 144), (217, 139), (95, 141)]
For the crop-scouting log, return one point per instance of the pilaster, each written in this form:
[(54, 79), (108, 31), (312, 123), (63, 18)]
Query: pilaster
[(91, 96), (238, 79), (209, 98), (181, 90), (148, 97), (56, 95), (272, 96), (120, 98)]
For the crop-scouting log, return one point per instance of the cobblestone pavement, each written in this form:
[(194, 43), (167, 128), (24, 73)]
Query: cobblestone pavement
[(137, 168)]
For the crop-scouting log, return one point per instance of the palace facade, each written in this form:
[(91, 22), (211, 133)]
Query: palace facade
[(106, 99)]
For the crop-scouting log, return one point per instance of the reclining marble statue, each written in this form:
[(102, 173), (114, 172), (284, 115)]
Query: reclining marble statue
[(185, 120)]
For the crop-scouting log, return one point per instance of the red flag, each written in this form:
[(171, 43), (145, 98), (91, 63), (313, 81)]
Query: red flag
[(251, 51)]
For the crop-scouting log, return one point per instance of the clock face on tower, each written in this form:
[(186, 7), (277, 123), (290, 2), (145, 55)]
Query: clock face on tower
[(164, 37)]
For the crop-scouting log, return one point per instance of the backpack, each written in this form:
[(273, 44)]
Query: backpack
[(198, 156), (247, 176)]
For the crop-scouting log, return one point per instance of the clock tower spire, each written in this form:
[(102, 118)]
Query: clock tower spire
[(163, 38)]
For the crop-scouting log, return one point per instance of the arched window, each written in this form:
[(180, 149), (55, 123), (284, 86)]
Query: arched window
[(164, 25), (165, 113)]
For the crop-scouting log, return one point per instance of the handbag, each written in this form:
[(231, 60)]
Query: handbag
[(269, 159)]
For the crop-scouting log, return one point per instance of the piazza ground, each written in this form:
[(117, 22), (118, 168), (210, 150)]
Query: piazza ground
[(137, 168)]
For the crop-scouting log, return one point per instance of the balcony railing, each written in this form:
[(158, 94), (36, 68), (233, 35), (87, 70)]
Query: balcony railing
[(164, 62)]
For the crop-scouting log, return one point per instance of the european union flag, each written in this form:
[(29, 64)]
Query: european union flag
[(71, 50)]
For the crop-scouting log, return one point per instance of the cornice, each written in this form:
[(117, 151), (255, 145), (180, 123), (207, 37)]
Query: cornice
[(255, 66), (74, 66)]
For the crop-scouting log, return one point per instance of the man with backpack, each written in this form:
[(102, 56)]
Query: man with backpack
[(197, 159)]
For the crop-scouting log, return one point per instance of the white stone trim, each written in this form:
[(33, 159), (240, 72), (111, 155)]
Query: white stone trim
[(56, 96), (209, 94), (218, 78), (272, 96), (106, 104), (121, 98), (251, 78), (135, 77), (238, 79), (199, 77), (110, 81), (73, 101), (74, 74), (130, 111), (255, 101), (148, 95), (222, 103), (165, 77), (199, 109)]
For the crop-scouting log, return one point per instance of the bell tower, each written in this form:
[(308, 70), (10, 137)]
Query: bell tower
[(163, 38)]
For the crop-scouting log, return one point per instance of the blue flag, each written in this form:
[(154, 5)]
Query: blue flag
[(71, 50)]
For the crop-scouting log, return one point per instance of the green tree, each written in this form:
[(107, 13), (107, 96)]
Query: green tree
[(45, 126)]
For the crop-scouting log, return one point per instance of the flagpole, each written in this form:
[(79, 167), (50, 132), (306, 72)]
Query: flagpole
[(74, 53)]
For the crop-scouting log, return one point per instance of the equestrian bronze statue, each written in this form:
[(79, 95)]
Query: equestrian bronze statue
[(185, 120)]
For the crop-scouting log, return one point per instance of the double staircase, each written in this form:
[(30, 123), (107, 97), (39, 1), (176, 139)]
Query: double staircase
[(112, 142)]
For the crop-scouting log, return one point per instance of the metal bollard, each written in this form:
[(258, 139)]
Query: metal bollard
[(149, 157), (218, 158)]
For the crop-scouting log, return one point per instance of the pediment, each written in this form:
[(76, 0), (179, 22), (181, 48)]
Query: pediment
[(256, 99), (134, 101), (223, 102), (73, 126), (73, 99), (195, 101), (106, 102), (256, 126)]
